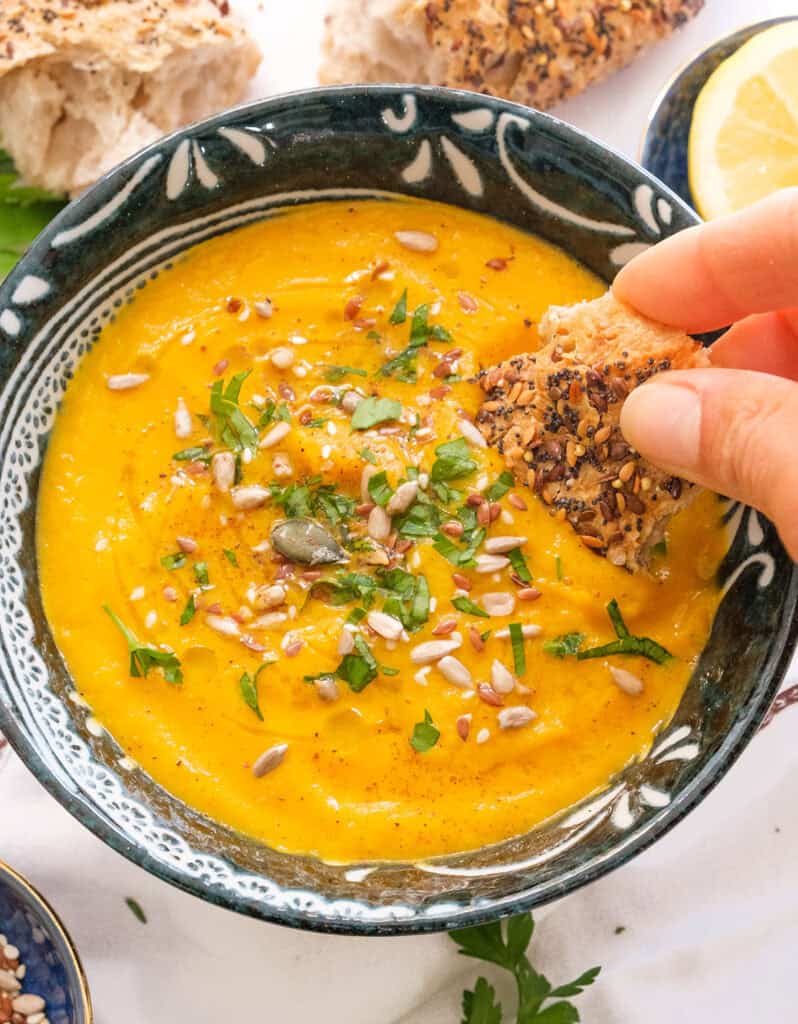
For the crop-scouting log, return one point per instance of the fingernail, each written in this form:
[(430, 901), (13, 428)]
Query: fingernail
[(663, 422)]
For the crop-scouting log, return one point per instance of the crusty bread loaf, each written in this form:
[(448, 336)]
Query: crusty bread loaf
[(555, 417), (534, 51), (85, 84)]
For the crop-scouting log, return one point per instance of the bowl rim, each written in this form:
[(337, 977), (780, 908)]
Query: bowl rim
[(46, 909), (628, 846), (672, 81)]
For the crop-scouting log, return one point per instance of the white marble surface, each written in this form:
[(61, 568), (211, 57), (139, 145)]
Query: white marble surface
[(711, 912)]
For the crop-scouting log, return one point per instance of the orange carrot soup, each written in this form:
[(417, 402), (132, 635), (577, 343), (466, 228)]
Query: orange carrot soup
[(293, 583)]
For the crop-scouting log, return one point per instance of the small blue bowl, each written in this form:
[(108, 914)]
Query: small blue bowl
[(53, 968), (665, 143), (468, 150)]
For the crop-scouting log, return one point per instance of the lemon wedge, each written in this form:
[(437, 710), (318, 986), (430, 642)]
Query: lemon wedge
[(744, 134)]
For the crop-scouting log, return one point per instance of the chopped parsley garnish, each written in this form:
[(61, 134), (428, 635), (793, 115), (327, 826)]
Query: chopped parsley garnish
[(626, 643), (231, 557), (399, 314), (201, 574), (196, 454), (453, 461), (317, 423), (313, 499), (189, 611), (334, 374), (558, 567), (519, 566), (372, 411), (249, 691), (359, 668), (380, 490), (367, 455), (135, 909), (231, 427), (174, 561), (143, 657), (561, 646), (505, 944), (466, 605), (409, 598), (422, 519), (502, 485), (355, 616), (272, 412), (425, 735), (388, 670), (403, 365), (517, 640), (463, 557)]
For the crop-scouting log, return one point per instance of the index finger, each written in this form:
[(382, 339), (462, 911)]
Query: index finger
[(716, 273)]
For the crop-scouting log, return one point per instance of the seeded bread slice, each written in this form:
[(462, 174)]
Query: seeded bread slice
[(555, 414), (536, 52)]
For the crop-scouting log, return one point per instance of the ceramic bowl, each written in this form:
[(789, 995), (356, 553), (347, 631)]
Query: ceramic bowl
[(52, 967), (665, 142), (459, 148)]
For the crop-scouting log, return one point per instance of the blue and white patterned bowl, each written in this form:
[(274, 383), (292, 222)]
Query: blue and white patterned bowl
[(53, 970), (479, 153), (664, 151)]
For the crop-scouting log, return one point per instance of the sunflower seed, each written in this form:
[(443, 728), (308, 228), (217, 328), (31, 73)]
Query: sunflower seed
[(515, 718), (269, 760)]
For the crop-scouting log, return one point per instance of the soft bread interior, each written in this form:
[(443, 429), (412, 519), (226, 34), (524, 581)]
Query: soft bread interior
[(379, 41), (70, 117)]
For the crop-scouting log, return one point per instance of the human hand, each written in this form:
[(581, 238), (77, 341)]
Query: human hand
[(733, 428)]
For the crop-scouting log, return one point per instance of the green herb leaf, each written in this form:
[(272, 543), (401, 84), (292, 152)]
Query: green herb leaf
[(487, 942), (368, 456), (189, 611), (24, 212), (230, 556), (372, 411), (175, 561), (422, 519), (231, 427), (249, 691), (359, 668), (380, 490), (425, 735), (466, 605), (135, 909), (502, 485), (561, 646), (196, 454), (143, 657), (463, 557), (399, 314), (201, 574), (479, 1006), (272, 412), (626, 643), (387, 670), (519, 566), (334, 374), (517, 640), (558, 567), (355, 616), (453, 461)]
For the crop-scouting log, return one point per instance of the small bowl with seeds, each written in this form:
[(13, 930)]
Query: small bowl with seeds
[(41, 977)]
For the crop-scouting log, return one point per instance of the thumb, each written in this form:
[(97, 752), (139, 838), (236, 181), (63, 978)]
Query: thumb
[(733, 431)]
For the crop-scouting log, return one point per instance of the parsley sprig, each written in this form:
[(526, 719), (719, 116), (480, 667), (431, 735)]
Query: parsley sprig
[(143, 657), (403, 365), (539, 1002)]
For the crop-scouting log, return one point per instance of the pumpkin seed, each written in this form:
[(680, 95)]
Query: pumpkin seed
[(305, 541)]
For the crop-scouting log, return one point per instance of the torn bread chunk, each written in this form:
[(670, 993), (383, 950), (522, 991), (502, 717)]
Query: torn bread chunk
[(84, 85), (555, 415)]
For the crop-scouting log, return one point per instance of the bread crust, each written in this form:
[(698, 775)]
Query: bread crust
[(555, 416), (536, 52), (116, 74)]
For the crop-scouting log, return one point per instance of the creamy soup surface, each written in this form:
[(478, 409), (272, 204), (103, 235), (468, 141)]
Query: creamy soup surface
[(238, 650)]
